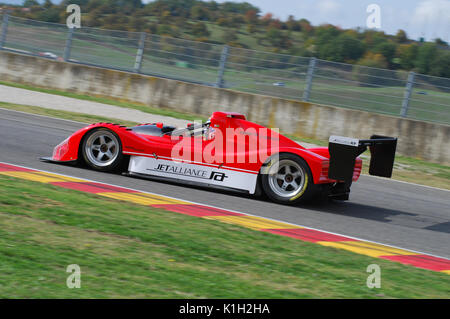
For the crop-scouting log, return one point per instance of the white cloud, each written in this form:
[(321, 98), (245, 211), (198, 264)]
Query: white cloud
[(431, 11), (328, 7), (432, 17)]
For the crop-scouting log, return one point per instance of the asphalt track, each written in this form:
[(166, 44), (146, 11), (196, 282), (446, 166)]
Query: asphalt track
[(400, 214)]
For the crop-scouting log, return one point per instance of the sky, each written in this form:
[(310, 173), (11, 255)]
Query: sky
[(419, 18)]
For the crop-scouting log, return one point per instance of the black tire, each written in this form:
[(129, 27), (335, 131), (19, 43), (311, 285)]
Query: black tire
[(102, 141), (299, 174)]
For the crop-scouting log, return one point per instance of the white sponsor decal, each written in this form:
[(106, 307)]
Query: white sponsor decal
[(193, 172), (344, 140)]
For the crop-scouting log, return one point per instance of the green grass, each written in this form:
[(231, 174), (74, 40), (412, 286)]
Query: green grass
[(132, 251), (417, 171), (405, 168)]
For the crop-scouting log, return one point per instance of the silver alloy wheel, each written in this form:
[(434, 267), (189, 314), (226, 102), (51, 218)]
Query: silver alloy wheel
[(288, 179), (102, 148)]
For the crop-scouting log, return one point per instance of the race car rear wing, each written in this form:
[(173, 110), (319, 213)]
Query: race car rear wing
[(344, 150)]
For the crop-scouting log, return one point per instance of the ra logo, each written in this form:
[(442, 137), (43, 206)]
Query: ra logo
[(218, 176)]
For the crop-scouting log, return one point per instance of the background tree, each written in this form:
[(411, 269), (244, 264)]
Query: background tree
[(407, 54), (50, 13), (251, 28), (441, 66), (401, 36), (278, 38), (165, 17), (387, 49), (229, 36), (30, 3), (370, 76), (425, 56), (164, 30), (199, 29), (267, 18), (292, 24), (92, 5), (137, 24), (199, 13), (441, 42), (373, 38), (305, 26), (275, 24), (343, 48), (222, 22), (251, 17), (93, 18)]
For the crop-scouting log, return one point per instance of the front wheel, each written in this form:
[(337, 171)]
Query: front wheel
[(288, 179), (102, 150)]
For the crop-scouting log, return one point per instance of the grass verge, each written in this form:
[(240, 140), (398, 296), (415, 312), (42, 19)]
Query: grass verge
[(133, 251), (104, 100)]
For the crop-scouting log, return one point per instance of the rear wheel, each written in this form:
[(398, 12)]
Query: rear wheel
[(288, 180), (102, 150)]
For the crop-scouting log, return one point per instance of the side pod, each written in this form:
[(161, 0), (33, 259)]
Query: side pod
[(344, 150)]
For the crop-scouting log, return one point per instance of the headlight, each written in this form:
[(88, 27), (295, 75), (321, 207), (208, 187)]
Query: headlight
[(61, 149)]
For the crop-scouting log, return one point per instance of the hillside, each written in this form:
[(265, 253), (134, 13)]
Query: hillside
[(242, 25)]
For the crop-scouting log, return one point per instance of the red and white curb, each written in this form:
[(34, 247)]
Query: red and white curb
[(356, 245)]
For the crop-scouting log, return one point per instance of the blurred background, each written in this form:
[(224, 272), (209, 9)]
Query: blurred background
[(400, 69)]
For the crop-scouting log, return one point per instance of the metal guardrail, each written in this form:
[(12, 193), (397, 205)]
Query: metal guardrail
[(397, 93)]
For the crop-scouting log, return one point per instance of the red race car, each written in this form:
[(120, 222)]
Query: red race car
[(229, 152)]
